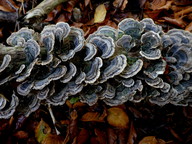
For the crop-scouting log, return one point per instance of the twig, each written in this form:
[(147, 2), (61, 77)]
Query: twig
[(53, 118), (36, 14)]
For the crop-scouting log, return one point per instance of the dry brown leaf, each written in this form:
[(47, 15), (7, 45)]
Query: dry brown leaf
[(1, 32), (21, 134), (100, 13), (132, 134), (78, 104), (111, 136), (182, 2), (86, 2), (117, 3), (123, 6), (101, 136), (183, 12), (167, 6), (117, 117), (53, 139), (42, 131), (175, 21), (83, 136), (94, 116), (149, 140), (189, 27), (73, 127), (8, 6), (155, 4)]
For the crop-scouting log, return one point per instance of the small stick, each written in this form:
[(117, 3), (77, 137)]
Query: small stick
[(53, 119), (42, 9)]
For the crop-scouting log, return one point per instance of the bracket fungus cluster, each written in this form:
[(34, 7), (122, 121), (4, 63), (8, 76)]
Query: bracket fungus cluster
[(135, 62)]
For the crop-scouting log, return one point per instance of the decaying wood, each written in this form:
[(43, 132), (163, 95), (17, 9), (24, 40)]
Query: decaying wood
[(36, 14)]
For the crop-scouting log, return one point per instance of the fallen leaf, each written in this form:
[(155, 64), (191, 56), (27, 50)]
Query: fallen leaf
[(175, 21), (117, 3), (73, 127), (78, 104), (100, 13), (117, 117), (182, 2), (83, 136), (8, 6), (94, 116), (21, 134), (111, 136), (189, 27), (132, 134), (155, 4), (53, 139), (183, 12), (122, 136), (101, 136), (1, 32), (149, 140), (123, 6), (42, 131), (87, 2), (167, 6)]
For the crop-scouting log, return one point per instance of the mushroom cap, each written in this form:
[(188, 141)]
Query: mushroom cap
[(43, 94), (150, 43), (62, 30), (126, 42), (70, 89), (131, 27), (80, 78), (149, 25), (7, 109), (6, 61), (25, 87), (183, 55), (91, 51), (116, 66), (71, 71), (155, 69), (73, 43), (104, 44), (132, 70), (32, 50), (27, 72), (28, 104), (20, 37), (109, 32), (94, 71), (122, 95), (56, 74), (89, 96), (108, 91)]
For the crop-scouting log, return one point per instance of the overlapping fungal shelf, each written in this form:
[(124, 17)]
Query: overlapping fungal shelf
[(135, 62)]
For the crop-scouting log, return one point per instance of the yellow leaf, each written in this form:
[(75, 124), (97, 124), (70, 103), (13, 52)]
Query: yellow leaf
[(117, 117), (148, 140), (94, 116), (42, 131), (100, 14)]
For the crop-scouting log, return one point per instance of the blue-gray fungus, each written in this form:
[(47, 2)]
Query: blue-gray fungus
[(135, 62)]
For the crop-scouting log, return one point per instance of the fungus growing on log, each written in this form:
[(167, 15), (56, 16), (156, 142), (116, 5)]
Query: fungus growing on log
[(134, 62)]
